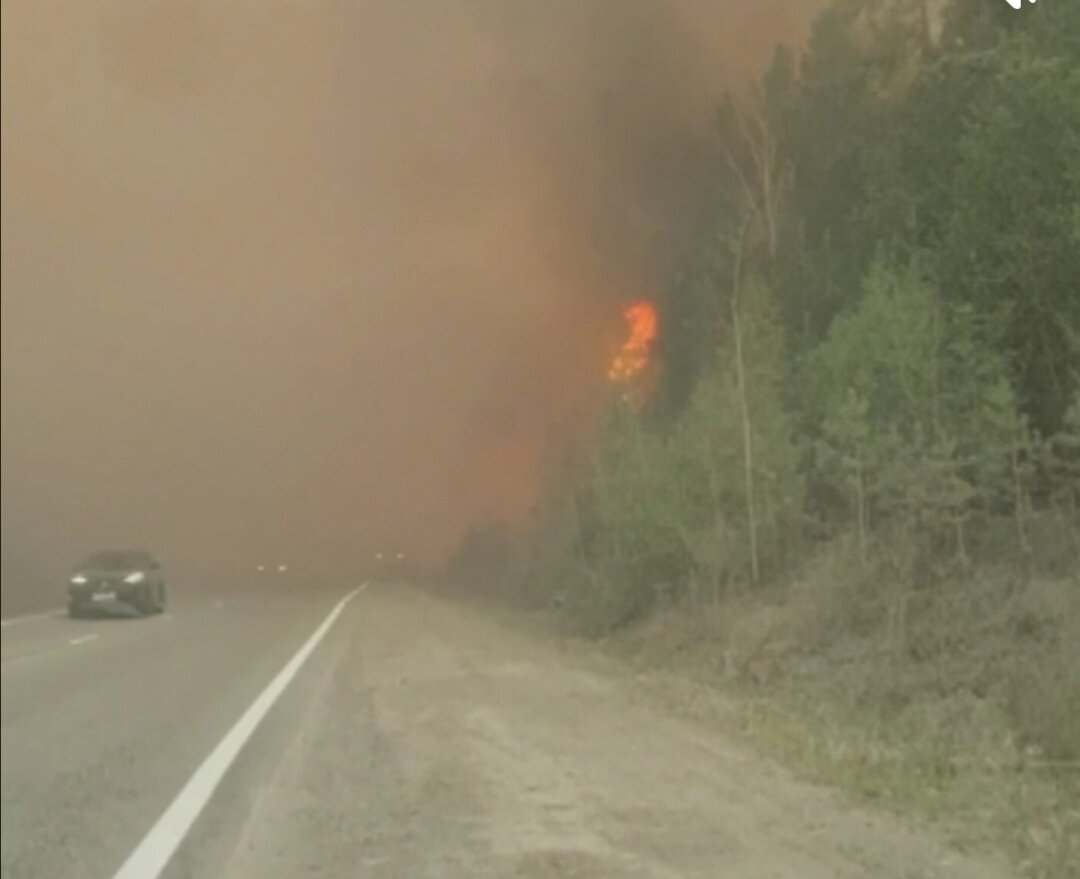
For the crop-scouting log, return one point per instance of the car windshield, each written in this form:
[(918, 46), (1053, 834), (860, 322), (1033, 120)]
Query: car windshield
[(115, 560)]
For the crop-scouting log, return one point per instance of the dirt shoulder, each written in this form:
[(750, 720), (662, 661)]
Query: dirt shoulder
[(444, 743)]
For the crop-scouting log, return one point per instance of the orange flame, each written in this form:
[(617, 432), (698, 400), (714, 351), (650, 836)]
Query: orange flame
[(633, 357)]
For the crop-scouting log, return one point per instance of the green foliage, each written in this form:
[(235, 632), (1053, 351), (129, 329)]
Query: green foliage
[(713, 429), (896, 218), (1063, 466), (885, 350), (965, 152), (880, 338), (916, 415), (666, 508), (631, 512), (840, 135), (690, 318), (1009, 246)]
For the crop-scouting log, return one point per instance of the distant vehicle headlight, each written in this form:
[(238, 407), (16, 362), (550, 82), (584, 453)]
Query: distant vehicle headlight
[(282, 568), (136, 577), (79, 578)]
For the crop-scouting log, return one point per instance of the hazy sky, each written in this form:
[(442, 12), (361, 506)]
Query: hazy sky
[(317, 278)]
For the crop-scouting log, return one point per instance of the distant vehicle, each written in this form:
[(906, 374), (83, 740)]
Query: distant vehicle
[(105, 580)]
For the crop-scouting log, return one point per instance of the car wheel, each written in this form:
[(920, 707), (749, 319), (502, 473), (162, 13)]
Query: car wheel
[(145, 603)]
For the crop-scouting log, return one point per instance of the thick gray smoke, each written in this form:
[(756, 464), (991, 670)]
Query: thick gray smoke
[(316, 279)]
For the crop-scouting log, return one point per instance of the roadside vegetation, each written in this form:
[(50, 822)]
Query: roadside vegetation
[(853, 503)]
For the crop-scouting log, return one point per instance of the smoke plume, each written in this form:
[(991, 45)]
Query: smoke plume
[(318, 279)]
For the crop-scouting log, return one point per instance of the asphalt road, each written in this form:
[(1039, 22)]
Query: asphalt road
[(105, 720), (398, 736)]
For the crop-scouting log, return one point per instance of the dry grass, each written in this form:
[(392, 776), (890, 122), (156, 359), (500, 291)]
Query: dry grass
[(958, 705)]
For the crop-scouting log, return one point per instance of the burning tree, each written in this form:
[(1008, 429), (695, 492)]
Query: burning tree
[(633, 368)]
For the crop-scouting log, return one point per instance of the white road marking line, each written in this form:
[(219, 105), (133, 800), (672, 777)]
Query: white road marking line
[(152, 854), (82, 639), (28, 618)]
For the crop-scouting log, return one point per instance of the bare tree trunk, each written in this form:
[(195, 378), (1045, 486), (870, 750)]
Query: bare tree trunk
[(961, 542), (860, 512), (1074, 510), (718, 569), (1019, 502), (767, 168), (639, 447), (769, 522), (762, 183), (744, 407), (718, 526)]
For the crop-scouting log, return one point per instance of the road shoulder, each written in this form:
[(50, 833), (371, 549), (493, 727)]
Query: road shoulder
[(446, 744)]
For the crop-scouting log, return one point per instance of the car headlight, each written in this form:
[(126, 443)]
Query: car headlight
[(79, 578), (136, 577)]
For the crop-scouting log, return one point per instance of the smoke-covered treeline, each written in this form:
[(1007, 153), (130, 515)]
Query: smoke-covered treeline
[(869, 421), (881, 336)]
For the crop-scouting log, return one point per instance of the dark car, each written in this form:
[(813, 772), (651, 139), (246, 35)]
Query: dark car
[(117, 578)]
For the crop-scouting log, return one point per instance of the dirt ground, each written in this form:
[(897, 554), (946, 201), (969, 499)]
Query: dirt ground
[(442, 744)]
